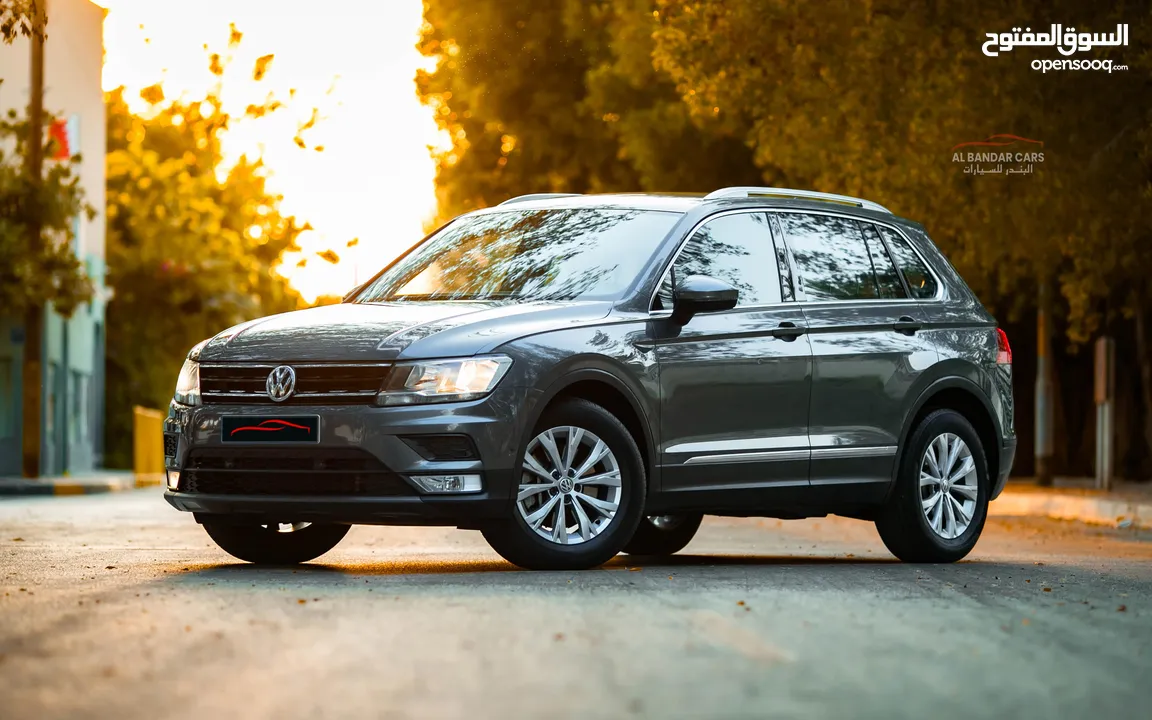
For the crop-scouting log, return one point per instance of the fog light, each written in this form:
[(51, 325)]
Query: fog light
[(448, 483), (173, 479)]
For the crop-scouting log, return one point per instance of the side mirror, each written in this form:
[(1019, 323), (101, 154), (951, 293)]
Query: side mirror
[(701, 294)]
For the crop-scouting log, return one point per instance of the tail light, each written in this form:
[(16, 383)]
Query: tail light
[(1003, 350)]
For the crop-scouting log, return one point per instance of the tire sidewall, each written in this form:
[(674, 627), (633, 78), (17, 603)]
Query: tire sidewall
[(936, 424)]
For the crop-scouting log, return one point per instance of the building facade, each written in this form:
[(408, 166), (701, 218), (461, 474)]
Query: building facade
[(72, 380)]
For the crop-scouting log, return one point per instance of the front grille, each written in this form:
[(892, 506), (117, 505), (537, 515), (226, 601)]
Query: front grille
[(289, 471), (171, 441), (316, 384)]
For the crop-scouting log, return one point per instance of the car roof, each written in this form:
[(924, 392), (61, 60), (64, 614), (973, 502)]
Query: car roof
[(685, 202), (668, 202)]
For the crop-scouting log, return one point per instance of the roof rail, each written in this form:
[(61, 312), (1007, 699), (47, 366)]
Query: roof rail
[(733, 192), (537, 196)]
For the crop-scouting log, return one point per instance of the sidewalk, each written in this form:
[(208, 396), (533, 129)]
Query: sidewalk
[(1126, 505), (101, 481)]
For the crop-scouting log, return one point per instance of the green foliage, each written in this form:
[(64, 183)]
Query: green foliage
[(542, 98), (192, 244), (49, 272)]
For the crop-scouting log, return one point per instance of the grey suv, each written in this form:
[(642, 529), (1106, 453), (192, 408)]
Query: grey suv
[(579, 375)]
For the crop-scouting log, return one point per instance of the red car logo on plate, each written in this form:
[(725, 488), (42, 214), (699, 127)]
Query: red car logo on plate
[(272, 426)]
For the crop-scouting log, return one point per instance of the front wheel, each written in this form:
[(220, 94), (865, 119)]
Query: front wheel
[(580, 492), (276, 543), (663, 534), (940, 502)]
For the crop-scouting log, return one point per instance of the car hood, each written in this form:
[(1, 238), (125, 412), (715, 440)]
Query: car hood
[(383, 331)]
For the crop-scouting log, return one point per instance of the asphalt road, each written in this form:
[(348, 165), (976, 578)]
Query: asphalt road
[(118, 606)]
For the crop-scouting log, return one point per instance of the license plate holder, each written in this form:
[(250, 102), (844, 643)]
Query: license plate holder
[(266, 430)]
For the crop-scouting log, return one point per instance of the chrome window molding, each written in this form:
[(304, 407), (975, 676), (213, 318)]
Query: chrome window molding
[(892, 226), (801, 298)]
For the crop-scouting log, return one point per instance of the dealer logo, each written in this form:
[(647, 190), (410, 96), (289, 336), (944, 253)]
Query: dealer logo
[(1000, 154), (281, 383)]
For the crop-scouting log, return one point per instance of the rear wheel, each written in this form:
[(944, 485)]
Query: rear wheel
[(663, 534), (580, 493), (276, 544), (940, 502)]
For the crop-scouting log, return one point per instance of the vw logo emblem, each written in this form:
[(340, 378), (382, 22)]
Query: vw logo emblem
[(281, 383)]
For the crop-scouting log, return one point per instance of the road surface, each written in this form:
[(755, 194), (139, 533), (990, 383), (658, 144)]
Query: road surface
[(118, 606)]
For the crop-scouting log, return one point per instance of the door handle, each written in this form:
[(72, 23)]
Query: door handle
[(907, 325), (788, 331)]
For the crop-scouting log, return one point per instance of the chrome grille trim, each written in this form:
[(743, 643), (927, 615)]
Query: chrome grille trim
[(336, 383)]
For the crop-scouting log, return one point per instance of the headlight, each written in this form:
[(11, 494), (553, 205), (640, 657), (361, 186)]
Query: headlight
[(188, 384), (433, 381)]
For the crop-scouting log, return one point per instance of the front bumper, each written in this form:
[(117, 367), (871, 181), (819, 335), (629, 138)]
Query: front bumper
[(467, 511), (492, 423)]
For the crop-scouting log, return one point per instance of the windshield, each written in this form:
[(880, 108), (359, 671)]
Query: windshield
[(556, 254)]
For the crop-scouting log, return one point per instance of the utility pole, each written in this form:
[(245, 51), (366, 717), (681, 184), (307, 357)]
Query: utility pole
[(1044, 384), (34, 315)]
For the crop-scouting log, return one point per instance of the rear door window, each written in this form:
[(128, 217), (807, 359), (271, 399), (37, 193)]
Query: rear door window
[(836, 262)]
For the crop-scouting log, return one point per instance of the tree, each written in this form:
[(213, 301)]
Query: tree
[(51, 272), (561, 97), (192, 243)]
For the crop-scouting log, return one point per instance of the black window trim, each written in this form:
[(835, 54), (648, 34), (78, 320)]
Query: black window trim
[(739, 308)]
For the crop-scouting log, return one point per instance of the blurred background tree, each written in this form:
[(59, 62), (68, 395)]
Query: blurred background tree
[(192, 242), (858, 98), (52, 273)]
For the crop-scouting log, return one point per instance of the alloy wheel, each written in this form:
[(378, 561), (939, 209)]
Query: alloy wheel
[(948, 485), (570, 491)]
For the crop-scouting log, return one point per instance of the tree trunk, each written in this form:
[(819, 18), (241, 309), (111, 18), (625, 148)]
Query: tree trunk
[(1145, 364), (1044, 385), (32, 396)]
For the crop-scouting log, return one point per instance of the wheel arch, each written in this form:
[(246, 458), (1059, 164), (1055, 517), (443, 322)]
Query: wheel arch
[(608, 391), (965, 397)]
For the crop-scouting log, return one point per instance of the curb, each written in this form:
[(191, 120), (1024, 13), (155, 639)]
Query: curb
[(19, 487), (1093, 510)]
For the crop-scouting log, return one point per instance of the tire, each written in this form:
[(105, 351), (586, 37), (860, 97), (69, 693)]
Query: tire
[(267, 545), (663, 535), (905, 526), (586, 541)]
